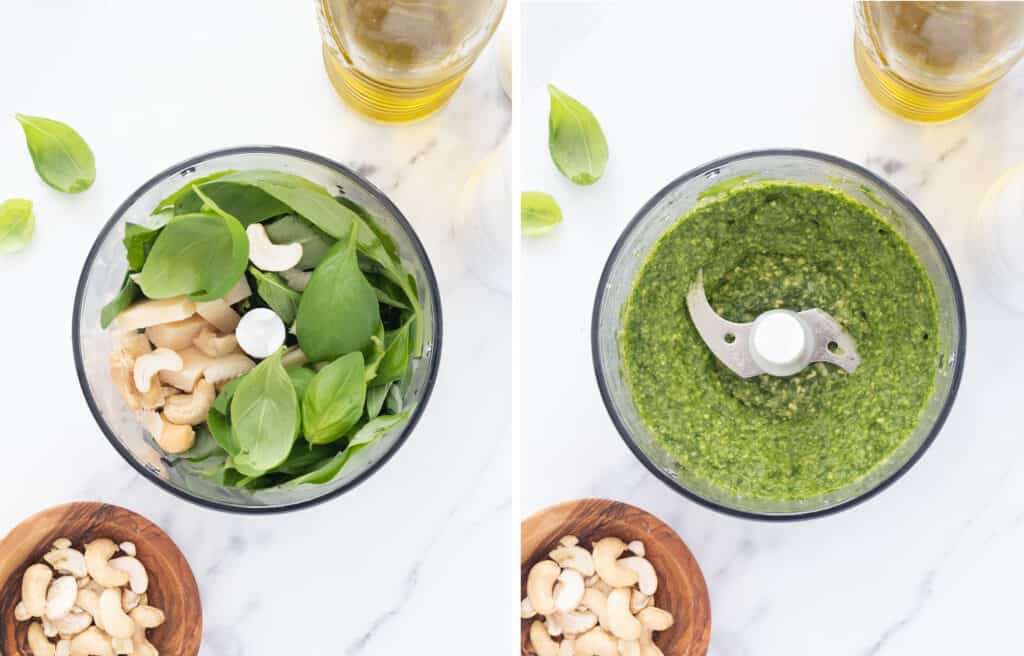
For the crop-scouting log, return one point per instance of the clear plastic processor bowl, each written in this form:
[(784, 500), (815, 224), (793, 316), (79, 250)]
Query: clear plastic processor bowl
[(677, 199), (104, 271)]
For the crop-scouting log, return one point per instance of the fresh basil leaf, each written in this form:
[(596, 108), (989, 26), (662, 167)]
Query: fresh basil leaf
[(293, 229), (247, 203), (539, 213), (169, 202), (220, 429), (305, 457), (222, 403), (264, 417), (17, 224), (204, 447), (301, 378), (375, 399), (129, 293), (276, 293), (387, 292), (61, 157), (366, 435), (200, 255), (138, 240), (338, 311), (386, 240), (395, 402), (334, 400), (396, 356), (575, 139)]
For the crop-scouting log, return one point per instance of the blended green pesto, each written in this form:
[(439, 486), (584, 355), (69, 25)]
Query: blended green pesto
[(782, 245)]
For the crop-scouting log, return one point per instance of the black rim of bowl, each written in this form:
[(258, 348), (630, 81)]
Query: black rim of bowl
[(947, 265), (176, 169)]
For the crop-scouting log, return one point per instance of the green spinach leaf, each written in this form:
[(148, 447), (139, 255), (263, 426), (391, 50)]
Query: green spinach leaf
[(575, 139), (366, 435), (61, 157), (334, 400), (264, 417), (338, 312), (276, 293), (200, 255), (17, 224), (539, 212), (129, 293), (138, 241), (169, 202), (293, 229)]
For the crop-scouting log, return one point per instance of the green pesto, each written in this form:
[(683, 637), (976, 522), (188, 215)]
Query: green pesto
[(782, 245)]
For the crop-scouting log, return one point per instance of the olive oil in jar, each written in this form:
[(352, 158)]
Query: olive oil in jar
[(399, 60), (934, 61)]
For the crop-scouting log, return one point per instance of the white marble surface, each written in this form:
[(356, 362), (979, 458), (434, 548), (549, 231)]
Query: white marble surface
[(932, 565), (385, 569)]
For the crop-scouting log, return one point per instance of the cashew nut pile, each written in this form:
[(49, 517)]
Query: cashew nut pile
[(594, 603), (92, 603)]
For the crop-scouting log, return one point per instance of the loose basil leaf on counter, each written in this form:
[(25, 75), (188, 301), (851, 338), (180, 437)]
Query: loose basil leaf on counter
[(293, 229), (199, 255), (575, 139), (334, 400), (17, 224), (539, 212), (61, 157), (337, 289), (365, 436), (129, 293), (138, 240), (264, 417), (301, 378), (396, 356), (375, 399), (276, 293)]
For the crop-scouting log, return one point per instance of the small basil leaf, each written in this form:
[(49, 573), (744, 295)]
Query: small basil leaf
[(204, 447), (264, 417), (61, 157), (539, 213), (338, 311), (293, 229), (222, 403), (301, 378), (575, 139), (375, 399), (220, 429), (128, 295), (305, 457), (246, 203), (386, 241), (138, 240), (17, 224), (396, 356), (169, 202), (395, 402), (366, 435), (200, 255), (276, 293), (334, 400)]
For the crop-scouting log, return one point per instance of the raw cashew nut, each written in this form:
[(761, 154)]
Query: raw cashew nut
[(574, 623), (128, 548), (67, 561), (137, 577), (62, 543), (553, 626), (151, 313), (130, 600), (267, 255), (147, 617), (638, 601), (629, 647), (73, 623), (61, 597), (89, 601), (148, 366), (220, 314), (21, 613), (33, 589), (91, 642), (228, 368), (176, 335), (213, 345), (574, 557), (568, 591), (122, 645), (655, 619), (172, 438), (620, 619), (606, 555), (567, 647), (637, 547), (38, 643), (64, 647), (97, 556), (647, 646), (190, 409), (293, 357), (112, 616), (526, 610), (597, 601), (647, 578), (569, 541), (596, 642), (49, 629), (541, 641), (540, 585)]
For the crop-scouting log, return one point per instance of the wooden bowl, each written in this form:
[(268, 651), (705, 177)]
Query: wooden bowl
[(172, 587), (681, 587)]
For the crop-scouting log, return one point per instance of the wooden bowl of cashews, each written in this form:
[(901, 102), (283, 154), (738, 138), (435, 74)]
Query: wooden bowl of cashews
[(617, 552), (166, 618)]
